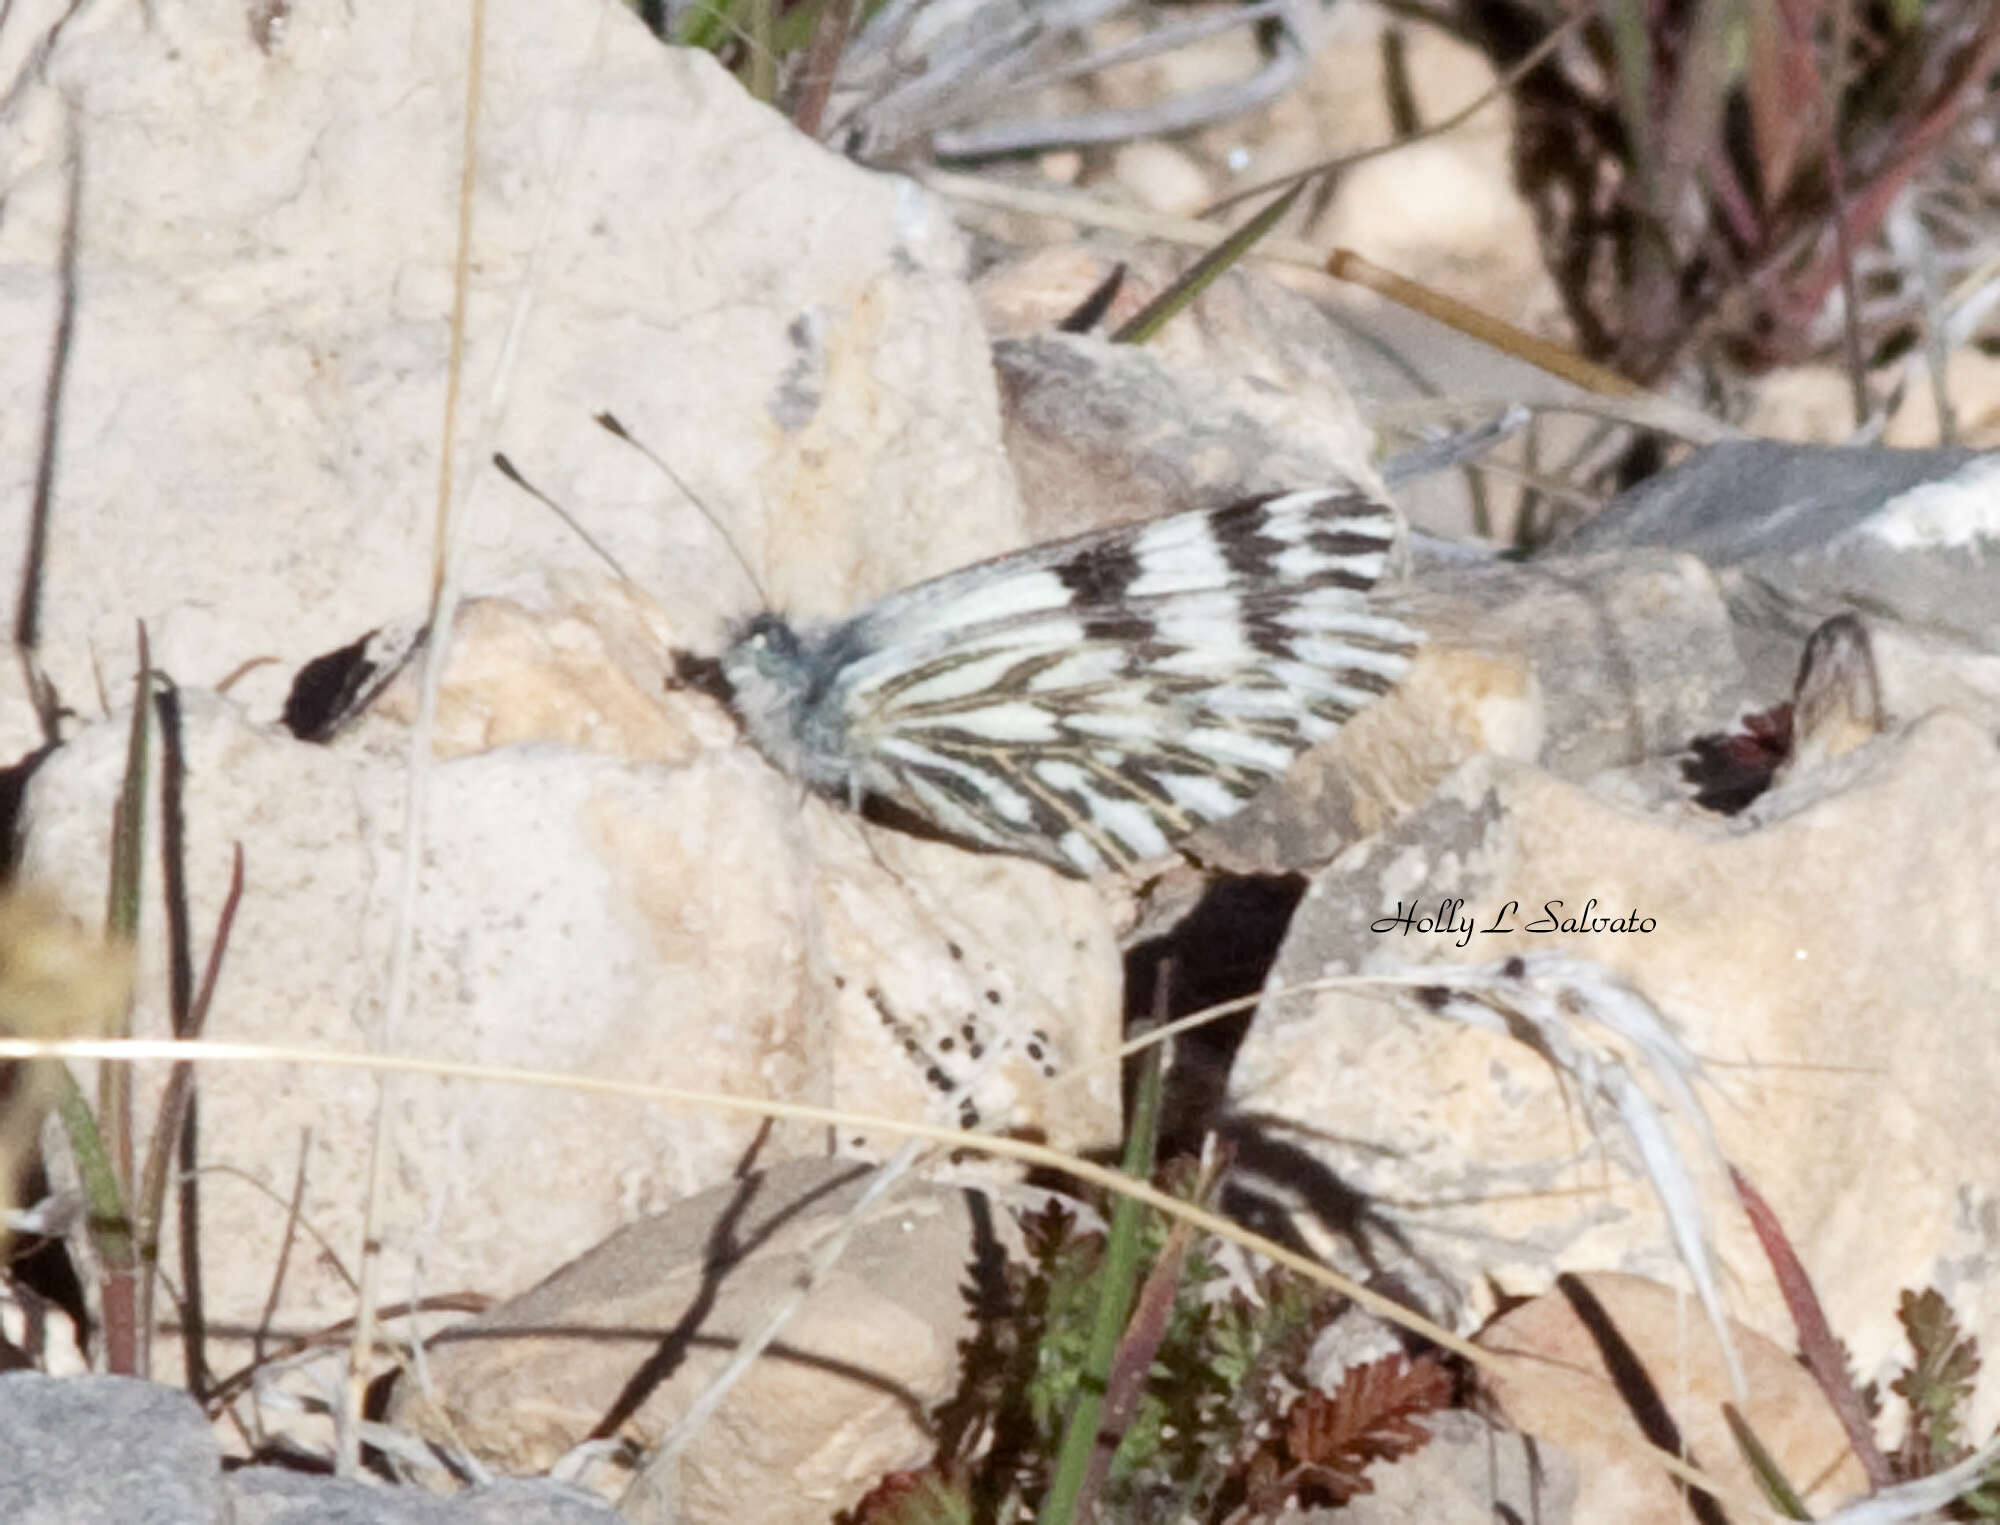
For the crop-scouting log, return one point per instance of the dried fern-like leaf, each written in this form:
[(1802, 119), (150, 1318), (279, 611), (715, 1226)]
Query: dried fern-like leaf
[(1330, 1440)]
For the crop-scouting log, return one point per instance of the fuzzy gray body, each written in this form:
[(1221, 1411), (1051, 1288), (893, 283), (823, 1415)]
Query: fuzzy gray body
[(1089, 701)]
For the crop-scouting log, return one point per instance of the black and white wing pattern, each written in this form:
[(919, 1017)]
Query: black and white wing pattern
[(1088, 701)]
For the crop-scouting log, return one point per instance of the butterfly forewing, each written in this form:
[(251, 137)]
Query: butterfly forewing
[(1089, 701)]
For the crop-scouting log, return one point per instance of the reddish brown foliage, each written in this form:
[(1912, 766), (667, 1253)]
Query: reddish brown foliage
[(1328, 1442)]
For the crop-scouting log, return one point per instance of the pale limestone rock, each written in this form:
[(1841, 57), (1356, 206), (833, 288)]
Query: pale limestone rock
[(1860, 676), (1561, 1392), (573, 659), (612, 883), (251, 411), (1827, 954), (1632, 654), (1919, 672), (675, 922), (841, 1397), (576, 914), (1247, 339)]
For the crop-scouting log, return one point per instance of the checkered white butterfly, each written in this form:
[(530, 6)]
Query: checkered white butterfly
[(1089, 701)]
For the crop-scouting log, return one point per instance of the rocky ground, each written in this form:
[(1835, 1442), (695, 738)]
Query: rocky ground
[(1721, 754)]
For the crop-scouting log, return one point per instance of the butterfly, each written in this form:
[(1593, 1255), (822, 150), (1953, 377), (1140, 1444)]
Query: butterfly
[(1089, 701)]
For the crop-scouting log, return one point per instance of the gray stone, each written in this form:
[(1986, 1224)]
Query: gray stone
[(99, 1450), (1101, 432), (1803, 532), (274, 1496), (1749, 500), (104, 1451), (1245, 391)]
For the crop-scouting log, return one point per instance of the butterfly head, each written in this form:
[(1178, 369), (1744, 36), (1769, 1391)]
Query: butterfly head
[(766, 676)]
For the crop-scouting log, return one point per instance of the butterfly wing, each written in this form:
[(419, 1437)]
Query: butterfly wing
[(1089, 701)]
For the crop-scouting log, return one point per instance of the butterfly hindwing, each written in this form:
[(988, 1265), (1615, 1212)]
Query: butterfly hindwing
[(1089, 701)]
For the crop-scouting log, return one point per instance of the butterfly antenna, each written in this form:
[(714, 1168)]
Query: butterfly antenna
[(610, 424), (512, 473)]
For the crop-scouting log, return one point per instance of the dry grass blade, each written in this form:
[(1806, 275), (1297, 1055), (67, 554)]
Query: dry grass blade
[(1088, 313), (34, 550), (822, 64), (445, 530), (1134, 1359), (1284, 62), (1346, 265), (651, 1491), (1545, 1003)]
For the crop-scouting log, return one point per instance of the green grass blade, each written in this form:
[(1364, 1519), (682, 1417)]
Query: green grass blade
[(763, 63), (103, 1144), (708, 25), (1117, 1282), (1777, 1487), (128, 821), (1150, 319)]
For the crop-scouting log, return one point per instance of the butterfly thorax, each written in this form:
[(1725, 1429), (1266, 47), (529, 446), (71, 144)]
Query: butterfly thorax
[(777, 680)]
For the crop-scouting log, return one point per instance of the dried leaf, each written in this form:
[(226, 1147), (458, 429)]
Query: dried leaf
[(1728, 771), (1329, 1441)]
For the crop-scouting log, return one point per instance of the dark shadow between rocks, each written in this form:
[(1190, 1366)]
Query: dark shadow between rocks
[(1220, 951)]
